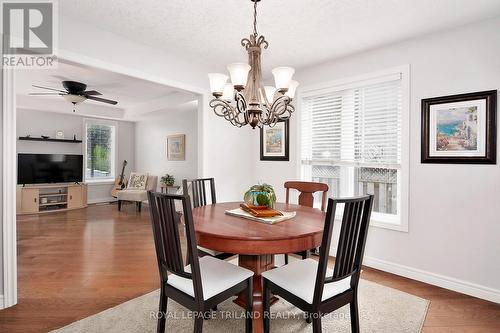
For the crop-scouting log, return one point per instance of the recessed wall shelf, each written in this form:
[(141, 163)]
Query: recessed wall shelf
[(49, 139)]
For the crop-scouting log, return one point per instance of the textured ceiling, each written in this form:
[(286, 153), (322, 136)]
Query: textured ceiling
[(300, 32), (134, 95)]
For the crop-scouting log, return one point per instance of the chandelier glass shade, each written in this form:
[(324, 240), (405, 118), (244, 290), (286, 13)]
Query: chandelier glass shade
[(246, 100)]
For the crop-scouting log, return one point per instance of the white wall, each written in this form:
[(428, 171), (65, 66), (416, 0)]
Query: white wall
[(228, 156), (37, 123), (454, 228), (151, 135)]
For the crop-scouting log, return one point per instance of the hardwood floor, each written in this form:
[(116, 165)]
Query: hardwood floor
[(77, 263)]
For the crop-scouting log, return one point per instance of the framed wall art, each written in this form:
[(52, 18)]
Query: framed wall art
[(275, 142), (176, 147), (459, 129)]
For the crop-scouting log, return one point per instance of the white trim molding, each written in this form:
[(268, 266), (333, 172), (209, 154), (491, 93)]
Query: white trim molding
[(442, 281), (9, 178), (101, 200)]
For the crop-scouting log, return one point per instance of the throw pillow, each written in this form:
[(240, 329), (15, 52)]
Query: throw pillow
[(137, 181)]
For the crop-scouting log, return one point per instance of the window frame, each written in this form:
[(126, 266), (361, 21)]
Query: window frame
[(114, 150), (387, 222)]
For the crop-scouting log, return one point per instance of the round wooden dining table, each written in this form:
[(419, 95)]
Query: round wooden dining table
[(256, 243)]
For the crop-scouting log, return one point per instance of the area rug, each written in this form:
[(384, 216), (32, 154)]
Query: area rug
[(381, 309)]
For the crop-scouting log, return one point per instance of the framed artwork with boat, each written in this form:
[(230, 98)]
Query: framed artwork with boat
[(459, 128)]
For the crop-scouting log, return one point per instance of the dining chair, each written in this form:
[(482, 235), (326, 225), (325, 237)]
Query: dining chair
[(310, 285), (306, 198), (203, 284), (196, 189)]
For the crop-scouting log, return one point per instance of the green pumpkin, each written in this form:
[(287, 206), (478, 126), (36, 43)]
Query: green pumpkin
[(260, 195)]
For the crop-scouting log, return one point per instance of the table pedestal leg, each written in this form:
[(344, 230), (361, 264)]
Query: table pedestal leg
[(258, 264)]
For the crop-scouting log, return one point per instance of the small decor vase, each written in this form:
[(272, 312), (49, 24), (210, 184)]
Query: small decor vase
[(260, 195)]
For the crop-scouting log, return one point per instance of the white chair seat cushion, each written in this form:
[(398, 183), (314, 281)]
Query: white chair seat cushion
[(213, 253), (216, 276), (133, 195), (299, 278)]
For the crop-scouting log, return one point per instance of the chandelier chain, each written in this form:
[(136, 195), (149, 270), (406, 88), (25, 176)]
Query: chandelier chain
[(255, 18)]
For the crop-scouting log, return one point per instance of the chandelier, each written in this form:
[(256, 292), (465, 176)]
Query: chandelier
[(246, 100)]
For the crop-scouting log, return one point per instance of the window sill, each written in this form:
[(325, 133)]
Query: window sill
[(388, 225), (379, 222), (93, 182)]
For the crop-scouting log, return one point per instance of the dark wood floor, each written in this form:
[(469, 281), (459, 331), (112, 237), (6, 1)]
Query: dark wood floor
[(75, 264)]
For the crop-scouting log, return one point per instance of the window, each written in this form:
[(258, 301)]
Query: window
[(354, 138), (100, 147)]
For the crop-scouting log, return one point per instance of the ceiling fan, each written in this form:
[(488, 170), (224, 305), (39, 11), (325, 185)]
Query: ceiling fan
[(75, 93)]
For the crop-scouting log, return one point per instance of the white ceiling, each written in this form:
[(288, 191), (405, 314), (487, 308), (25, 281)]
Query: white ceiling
[(135, 96), (300, 32)]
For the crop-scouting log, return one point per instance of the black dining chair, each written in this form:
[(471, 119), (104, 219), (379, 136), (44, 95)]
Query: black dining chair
[(310, 285), (204, 283), (197, 190)]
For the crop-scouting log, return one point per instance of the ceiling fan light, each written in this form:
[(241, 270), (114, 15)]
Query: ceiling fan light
[(239, 74), (292, 88), (75, 99), (228, 92), (282, 77), (217, 83)]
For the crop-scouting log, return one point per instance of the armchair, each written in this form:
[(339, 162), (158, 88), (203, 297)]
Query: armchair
[(137, 196)]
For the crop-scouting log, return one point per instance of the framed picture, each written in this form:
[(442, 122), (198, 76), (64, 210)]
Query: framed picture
[(275, 142), (176, 147), (459, 128)]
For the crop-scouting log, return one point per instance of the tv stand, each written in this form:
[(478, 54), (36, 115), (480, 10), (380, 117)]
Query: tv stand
[(37, 199)]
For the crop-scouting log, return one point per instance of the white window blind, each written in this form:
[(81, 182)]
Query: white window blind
[(359, 126), (352, 140)]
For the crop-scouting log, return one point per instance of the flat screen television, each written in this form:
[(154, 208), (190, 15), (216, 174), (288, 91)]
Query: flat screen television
[(49, 168)]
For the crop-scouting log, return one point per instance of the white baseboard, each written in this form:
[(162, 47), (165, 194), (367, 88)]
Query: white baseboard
[(101, 200), (2, 304), (446, 282)]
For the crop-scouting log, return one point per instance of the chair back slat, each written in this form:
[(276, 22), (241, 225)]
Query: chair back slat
[(198, 191), (307, 189), (353, 233), (165, 221), (350, 250), (347, 241)]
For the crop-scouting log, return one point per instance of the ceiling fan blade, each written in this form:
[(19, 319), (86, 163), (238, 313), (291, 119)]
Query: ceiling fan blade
[(103, 100), (45, 94), (49, 88), (92, 92)]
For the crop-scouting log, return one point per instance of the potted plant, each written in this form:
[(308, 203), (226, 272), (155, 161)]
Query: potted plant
[(167, 180), (260, 195)]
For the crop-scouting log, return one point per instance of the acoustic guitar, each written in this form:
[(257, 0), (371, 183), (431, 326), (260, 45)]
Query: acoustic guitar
[(119, 182)]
